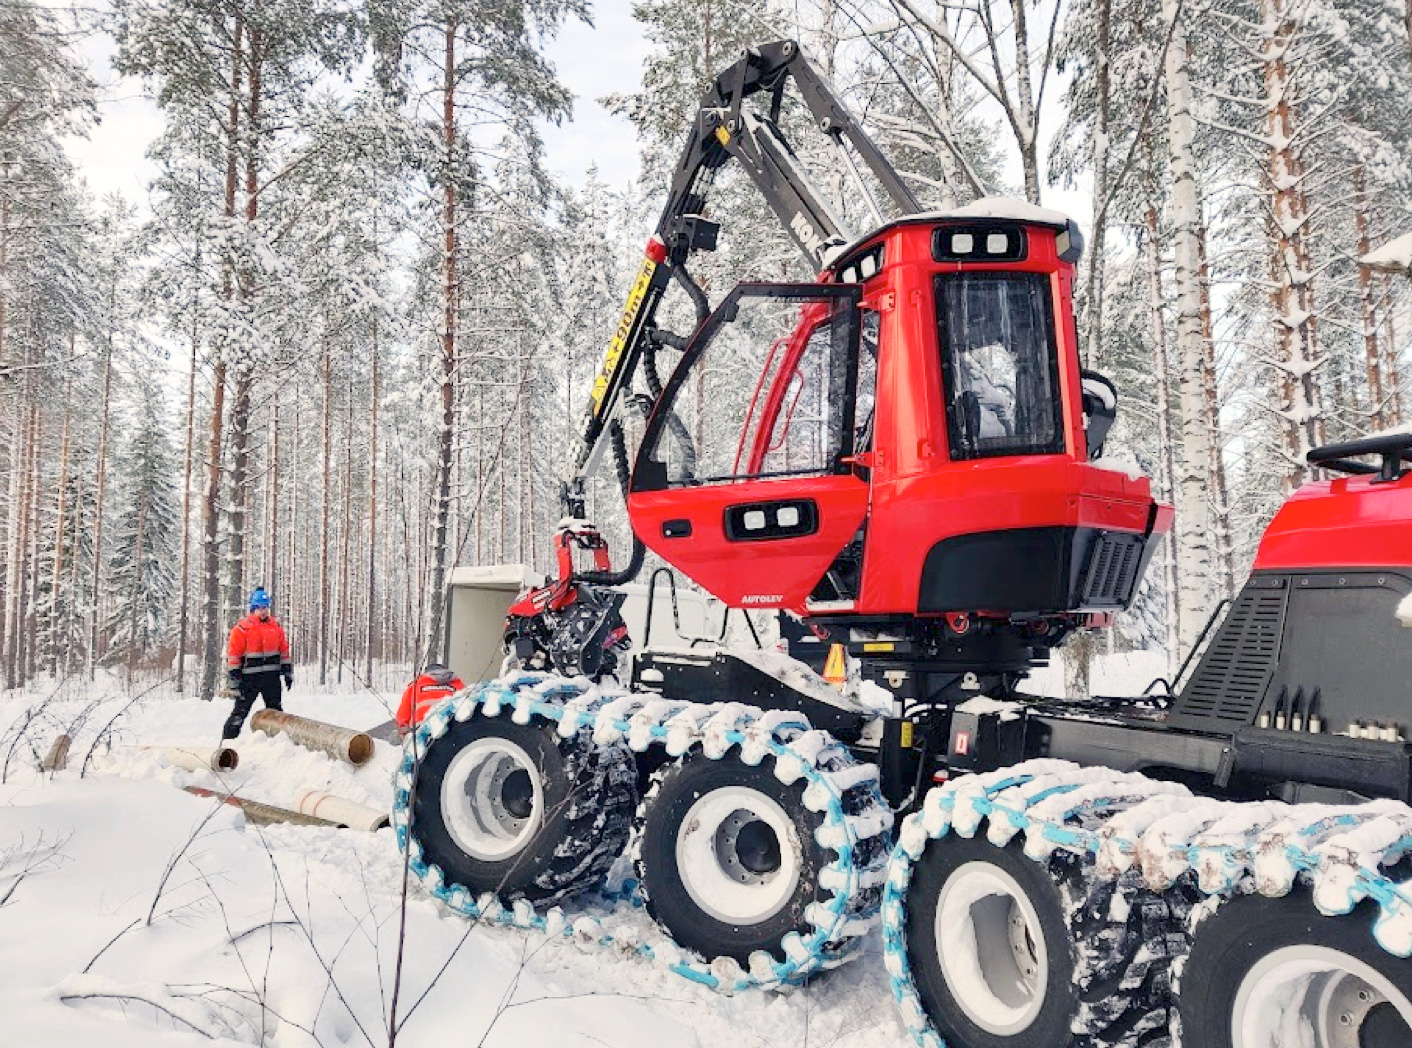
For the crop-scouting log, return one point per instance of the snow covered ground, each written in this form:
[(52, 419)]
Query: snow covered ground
[(135, 914)]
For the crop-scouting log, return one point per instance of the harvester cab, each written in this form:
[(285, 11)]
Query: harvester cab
[(911, 438)]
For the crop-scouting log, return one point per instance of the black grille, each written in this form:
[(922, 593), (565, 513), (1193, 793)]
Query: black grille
[(1111, 574), (1231, 680)]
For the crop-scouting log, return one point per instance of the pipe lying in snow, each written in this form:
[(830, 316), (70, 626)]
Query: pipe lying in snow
[(355, 747), (344, 812), (57, 759), (196, 758), (261, 813)]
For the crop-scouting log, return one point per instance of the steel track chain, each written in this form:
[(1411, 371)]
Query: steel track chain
[(1339, 851), (853, 831)]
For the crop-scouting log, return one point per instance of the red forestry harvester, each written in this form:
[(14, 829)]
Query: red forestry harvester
[(903, 457)]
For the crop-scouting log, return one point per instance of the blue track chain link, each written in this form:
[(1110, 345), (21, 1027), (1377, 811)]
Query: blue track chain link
[(1339, 851), (640, 720)]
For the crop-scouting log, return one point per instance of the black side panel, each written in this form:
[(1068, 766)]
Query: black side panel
[(1228, 686), (1333, 632), (1034, 569), (1021, 569), (1343, 637)]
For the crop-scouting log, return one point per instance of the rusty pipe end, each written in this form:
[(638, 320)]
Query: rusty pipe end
[(360, 749)]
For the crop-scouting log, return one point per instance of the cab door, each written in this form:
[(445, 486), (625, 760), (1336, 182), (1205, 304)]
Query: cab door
[(746, 480)]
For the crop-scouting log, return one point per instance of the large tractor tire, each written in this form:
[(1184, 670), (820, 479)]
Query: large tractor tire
[(517, 811), (1007, 952), (735, 862), (1276, 973), (728, 859)]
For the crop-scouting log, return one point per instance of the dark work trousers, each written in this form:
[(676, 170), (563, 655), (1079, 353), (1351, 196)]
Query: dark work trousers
[(259, 686)]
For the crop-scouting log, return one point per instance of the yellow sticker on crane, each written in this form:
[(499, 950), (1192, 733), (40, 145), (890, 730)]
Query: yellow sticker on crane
[(906, 735), (619, 341), (723, 136)]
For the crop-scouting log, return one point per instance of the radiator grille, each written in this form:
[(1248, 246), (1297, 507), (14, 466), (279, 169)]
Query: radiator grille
[(1111, 575), (1231, 680)]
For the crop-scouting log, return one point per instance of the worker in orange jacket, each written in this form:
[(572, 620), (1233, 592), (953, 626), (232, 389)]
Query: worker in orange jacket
[(257, 656), (435, 683)]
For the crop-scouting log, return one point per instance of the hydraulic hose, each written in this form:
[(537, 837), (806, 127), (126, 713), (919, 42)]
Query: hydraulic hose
[(677, 427), (618, 442)]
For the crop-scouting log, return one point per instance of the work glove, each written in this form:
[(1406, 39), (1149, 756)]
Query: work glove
[(288, 679), (234, 676)]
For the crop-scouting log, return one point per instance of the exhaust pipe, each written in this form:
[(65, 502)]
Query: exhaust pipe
[(259, 812), (345, 813), (355, 747)]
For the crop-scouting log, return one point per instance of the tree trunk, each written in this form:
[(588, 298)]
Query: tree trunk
[(345, 604), (1093, 319), (450, 290), (323, 526), (1291, 299), (57, 579), (1390, 369), (1194, 554), (211, 554), (373, 623), (272, 579), (1223, 546), (184, 610), (97, 575), (245, 373), (1372, 352), (1166, 463)]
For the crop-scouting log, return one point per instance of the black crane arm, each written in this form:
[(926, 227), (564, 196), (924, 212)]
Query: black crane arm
[(725, 129)]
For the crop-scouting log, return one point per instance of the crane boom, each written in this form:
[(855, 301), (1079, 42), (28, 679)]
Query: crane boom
[(725, 129)]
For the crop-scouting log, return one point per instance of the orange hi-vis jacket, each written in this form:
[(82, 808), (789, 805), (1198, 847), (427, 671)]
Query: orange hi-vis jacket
[(257, 647), (421, 695)]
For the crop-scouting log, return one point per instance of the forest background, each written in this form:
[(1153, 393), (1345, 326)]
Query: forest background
[(345, 344)]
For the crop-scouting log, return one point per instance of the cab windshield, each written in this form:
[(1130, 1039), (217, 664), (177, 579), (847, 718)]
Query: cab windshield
[(1000, 364)]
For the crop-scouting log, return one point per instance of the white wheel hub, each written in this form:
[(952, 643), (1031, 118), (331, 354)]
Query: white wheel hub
[(991, 948), (1316, 997), (491, 799), (738, 855)]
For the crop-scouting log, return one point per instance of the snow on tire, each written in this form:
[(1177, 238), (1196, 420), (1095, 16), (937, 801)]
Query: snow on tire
[(1275, 972), (516, 810)]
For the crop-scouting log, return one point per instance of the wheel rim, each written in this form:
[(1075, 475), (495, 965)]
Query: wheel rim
[(738, 855), (991, 948), (491, 799), (1321, 998)]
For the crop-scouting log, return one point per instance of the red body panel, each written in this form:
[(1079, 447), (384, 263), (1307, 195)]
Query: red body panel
[(777, 574), (1351, 522), (915, 495)]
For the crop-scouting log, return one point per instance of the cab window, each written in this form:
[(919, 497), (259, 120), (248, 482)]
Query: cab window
[(1000, 364)]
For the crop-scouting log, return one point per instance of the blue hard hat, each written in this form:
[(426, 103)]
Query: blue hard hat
[(259, 599)]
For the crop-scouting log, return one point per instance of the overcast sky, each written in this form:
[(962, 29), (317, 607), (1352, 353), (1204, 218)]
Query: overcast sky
[(593, 61)]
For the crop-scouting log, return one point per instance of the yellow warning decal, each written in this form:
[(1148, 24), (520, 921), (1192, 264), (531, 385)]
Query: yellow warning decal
[(835, 671), (619, 341), (723, 136), (879, 645), (906, 734)]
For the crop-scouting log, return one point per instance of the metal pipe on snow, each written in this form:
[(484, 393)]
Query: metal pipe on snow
[(355, 747), (260, 812)]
